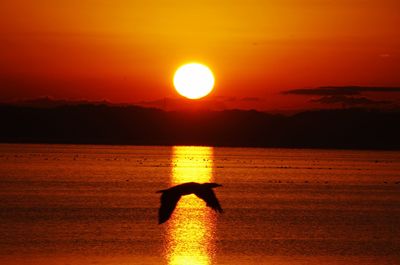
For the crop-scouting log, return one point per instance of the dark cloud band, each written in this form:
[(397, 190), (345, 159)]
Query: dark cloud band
[(340, 91)]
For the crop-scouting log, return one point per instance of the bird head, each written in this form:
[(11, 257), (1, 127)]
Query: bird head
[(212, 185)]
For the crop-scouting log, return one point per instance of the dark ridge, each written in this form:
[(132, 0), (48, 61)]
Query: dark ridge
[(104, 124)]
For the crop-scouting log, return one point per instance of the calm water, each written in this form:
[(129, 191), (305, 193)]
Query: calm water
[(68, 204)]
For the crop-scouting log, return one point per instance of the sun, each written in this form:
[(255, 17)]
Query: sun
[(193, 80)]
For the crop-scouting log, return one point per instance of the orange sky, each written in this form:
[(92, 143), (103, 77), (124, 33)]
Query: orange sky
[(127, 51)]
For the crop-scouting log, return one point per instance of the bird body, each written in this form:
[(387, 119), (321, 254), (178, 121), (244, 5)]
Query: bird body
[(171, 196)]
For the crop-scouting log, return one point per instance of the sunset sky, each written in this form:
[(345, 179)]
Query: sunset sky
[(261, 52)]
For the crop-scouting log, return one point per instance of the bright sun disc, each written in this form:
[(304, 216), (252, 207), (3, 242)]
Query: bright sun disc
[(193, 80)]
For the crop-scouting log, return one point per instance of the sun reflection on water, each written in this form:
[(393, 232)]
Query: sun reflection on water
[(190, 231)]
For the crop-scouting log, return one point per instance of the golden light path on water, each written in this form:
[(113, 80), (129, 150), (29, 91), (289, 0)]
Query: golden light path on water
[(191, 229)]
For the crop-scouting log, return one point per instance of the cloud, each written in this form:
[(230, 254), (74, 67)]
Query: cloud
[(349, 100), (340, 90), (251, 99), (183, 104), (212, 103), (226, 99), (235, 99)]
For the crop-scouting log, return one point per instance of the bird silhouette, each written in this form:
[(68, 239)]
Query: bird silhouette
[(171, 196)]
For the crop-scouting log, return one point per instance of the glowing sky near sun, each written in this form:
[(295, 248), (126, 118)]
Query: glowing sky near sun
[(127, 51)]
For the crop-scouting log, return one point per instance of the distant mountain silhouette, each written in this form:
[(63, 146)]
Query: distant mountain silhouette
[(105, 124), (50, 102)]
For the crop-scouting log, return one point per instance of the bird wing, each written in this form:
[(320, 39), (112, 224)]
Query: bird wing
[(168, 204), (209, 197)]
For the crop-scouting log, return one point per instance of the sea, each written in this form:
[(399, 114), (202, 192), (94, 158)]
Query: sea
[(97, 204)]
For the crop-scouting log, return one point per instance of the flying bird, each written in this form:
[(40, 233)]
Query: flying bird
[(171, 196)]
